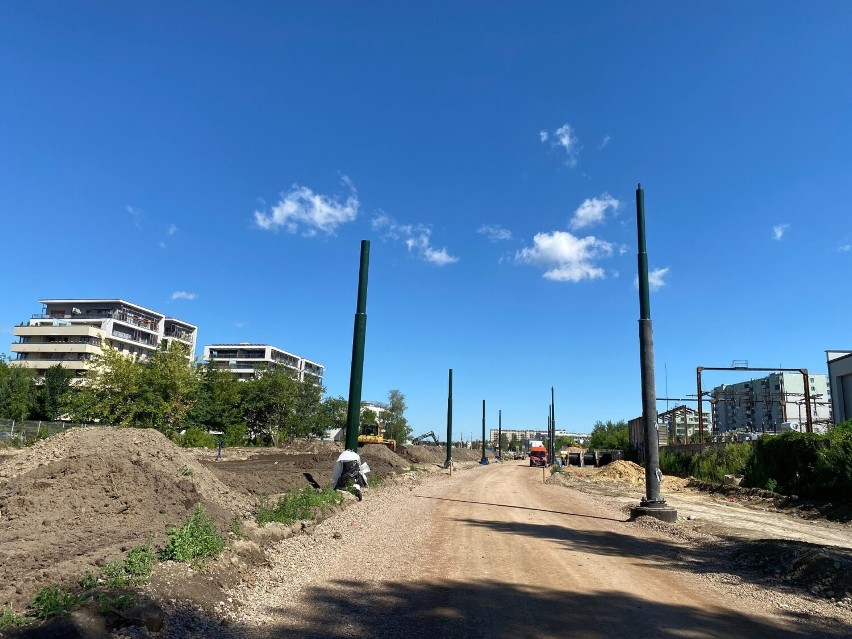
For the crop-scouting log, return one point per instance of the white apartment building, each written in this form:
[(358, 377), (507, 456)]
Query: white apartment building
[(840, 376), (244, 360), (71, 332), (759, 405)]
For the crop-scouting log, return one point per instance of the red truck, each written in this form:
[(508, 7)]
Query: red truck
[(538, 456)]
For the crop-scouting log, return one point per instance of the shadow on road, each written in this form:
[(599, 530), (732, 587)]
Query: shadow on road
[(541, 510), (487, 609)]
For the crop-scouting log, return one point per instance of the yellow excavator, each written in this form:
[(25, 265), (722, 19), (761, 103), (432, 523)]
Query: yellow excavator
[(374, 434)]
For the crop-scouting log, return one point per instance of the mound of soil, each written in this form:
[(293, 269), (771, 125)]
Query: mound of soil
[(420, 454), (625, 471), (382, 459), (84, 497)]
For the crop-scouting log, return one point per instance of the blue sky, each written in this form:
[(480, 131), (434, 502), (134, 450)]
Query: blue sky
[(220, 162)]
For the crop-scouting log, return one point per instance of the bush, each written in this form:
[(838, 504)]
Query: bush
[(789, 459), (134, 570), (195, 541), (52, 600), (711, 464), (10, 619), (197, 438), (296, 506)]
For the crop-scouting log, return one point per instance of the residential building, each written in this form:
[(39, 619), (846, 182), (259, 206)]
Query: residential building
[(840, 380), (524, 436), (73, 331), (245, 359), (681, 425), (760, 405)]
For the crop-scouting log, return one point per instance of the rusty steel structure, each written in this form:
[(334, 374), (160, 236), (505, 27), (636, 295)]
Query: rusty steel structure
[(700, 369)]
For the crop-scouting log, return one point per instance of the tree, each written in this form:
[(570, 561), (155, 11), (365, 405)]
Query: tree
[(267, 403), (614, 435), (168, 388), (333, 414), (112, 392), (396, 425), (53, 392), (368, 416), (216, 406), (308, 417), (17, 391)]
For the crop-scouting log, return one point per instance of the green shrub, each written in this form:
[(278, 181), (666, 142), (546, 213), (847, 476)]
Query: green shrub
[(195, 541), (52, 600), (88, 581), (789, 459), (197, 438), (10, 619), (134, 570), (711, 464), (296, 506)]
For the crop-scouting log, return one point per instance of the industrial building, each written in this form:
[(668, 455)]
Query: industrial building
[(840, 381), (244, 360), (760, 405), (71, 332)]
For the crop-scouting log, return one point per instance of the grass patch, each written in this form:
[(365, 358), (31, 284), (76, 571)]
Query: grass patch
[(296, 506), (52, 600), (194, 542), (185, 471), (235, 528), (373, 480), (10, 619), (134, 570)]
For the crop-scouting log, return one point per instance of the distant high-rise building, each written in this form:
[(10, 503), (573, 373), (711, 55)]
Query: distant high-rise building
[(759, 405), (71, 332), (244, 360)]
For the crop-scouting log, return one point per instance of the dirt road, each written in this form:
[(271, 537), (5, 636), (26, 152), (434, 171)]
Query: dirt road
[(494, 552)]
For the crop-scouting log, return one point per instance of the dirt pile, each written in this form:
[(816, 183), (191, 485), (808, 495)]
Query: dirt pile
[(84, 497), (625, 471), (381, 459), (420, 454)]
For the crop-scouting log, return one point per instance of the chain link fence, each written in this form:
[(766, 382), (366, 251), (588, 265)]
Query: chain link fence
[(30, 430)]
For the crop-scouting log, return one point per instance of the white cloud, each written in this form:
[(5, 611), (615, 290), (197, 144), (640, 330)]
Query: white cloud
[(494, 232), (566, 257), (844, 248), (301, 208), (135, 214), (592, 211), (240, 324), (172, 229), (183, 295), (656, 278), (778, 231), (605, 141), (417, 239), (162, 244), (564, 137)]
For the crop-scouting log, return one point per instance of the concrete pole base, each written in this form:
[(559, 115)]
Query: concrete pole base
[(663, 513), (483, 461)]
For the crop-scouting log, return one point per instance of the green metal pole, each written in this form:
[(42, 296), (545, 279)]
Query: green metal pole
[(553, 421), (484, 459), (356, 374), (450, 423), (653, 503)]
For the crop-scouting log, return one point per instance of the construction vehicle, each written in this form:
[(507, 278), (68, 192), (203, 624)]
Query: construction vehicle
[(538, 456), (420, 438), (374, 434)]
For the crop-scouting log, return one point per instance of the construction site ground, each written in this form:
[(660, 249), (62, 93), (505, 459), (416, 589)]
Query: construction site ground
[(498, 550)]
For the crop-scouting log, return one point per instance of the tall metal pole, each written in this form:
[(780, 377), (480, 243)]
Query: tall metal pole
[(449, 423), (484, 459), (356, 374), (653, 502), (553, 421), (500, 434)]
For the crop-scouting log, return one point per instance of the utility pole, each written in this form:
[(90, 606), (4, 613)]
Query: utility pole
[(653, 503), (359, 336), (500, 435), (553, 422), (484, 459), (449, 423)]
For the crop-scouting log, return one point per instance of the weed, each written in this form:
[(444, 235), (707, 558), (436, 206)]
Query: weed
[(235, 528), (296, 506), (52, 600), (771, 485), (116, 603), (10, 619), (186, 471), (134, 570), (195, 541), (88, 581), (374, 480)]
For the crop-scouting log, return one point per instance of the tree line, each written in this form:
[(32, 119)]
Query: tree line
[(185, 402)]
